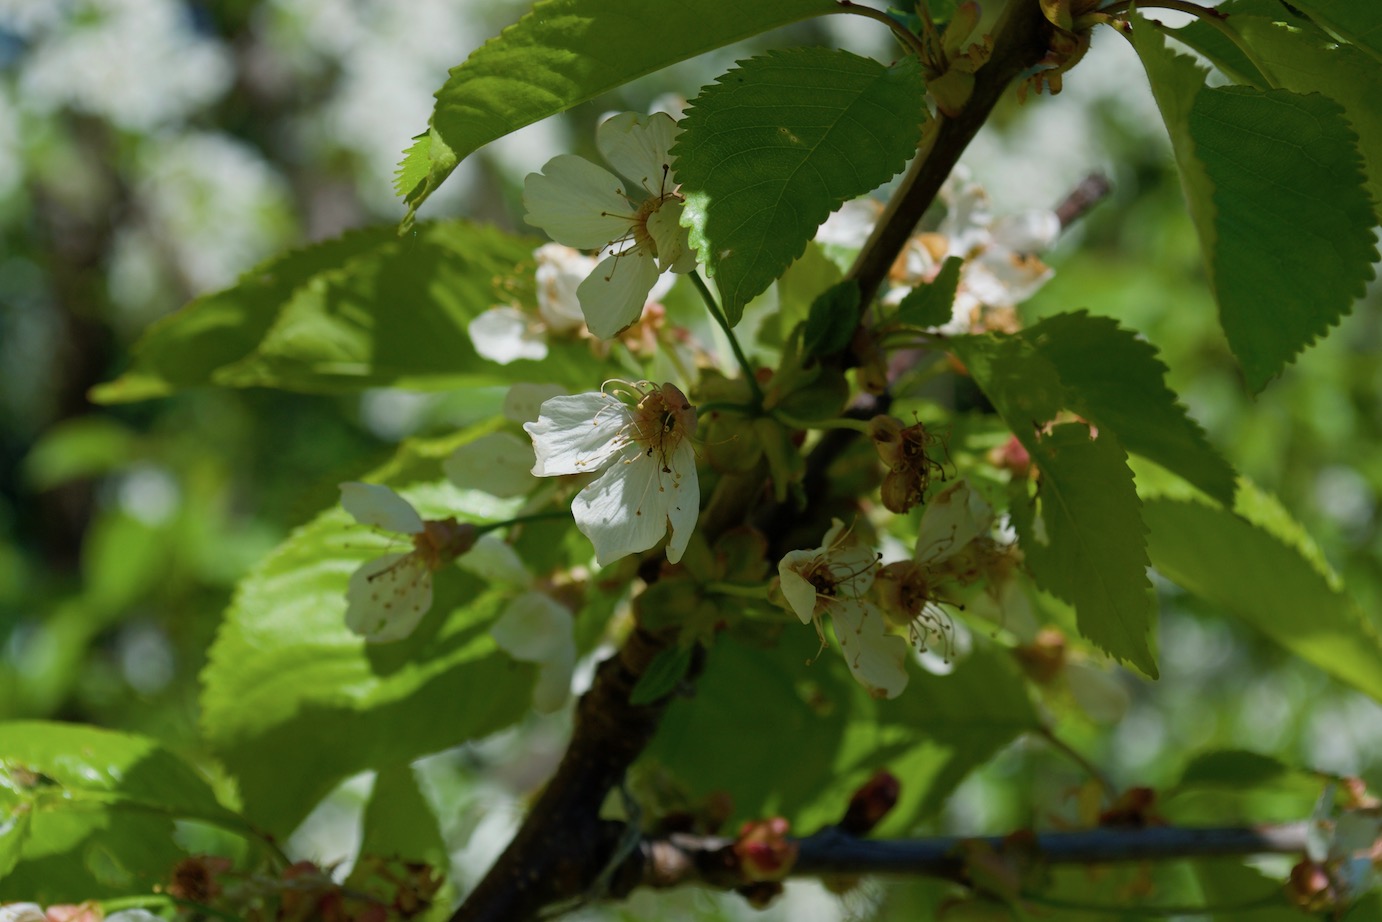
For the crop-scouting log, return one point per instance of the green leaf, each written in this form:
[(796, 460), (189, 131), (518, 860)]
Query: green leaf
[(99, 808), (566, 52), (1355, 21), (369, 310), (399, 823), (832, 319), (1228, 882), (82, 447), (813, 735), (1278, 198), (663, 674), (1083, 538), (1231, 768), (774, 146), (1114, 379), (797, 289), (932, 304), (1265, 582), (294, 702)]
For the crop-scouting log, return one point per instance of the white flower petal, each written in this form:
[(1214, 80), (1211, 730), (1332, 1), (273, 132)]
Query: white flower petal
[(534, 628), (799, 593), (851, 225), (636, 146), (684, 493), (674, 252), (501, 335), (876, 658), (388, 597), (499, 463), (612, 297), (576, 202), (23, 912), (577, 434), (560, 270), (377, 505), (494, 560), (625, 510), (554, 681), (954, 517), (1026, 232)]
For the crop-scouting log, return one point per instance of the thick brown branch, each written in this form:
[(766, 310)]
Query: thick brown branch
[(1021, 40), (679, 860)]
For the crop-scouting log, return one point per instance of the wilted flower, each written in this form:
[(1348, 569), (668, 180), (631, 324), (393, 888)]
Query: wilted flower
[(833, 579), (585, 206), (639, 435), (388, 595)]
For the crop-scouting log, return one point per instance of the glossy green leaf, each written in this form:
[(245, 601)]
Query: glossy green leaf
[(1278, 196), (1114, 379), (99, 811), (770, 149), (831, 321), (813, 735), (565, 52), (368, 310), (288, 685), (1357, 21), (1255, 576), (1084, 540), (932, 304)]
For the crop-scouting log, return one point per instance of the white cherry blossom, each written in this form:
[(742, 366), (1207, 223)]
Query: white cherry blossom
[(587, 207), (388, 595), (639, 436), (833, 579)]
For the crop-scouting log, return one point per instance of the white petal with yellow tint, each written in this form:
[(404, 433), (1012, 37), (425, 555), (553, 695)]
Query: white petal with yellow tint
[(798, 592), (499, 463), (388, 596), (876, 658), (612, 297), (674, 252), (636, 146), (954, 517), (375, 504), (577, 203), (501, 335), (577, 434), (624, 511)]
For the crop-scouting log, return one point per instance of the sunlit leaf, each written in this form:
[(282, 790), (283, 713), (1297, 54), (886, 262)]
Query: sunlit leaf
[(1358, 22), (399, 825), (770, 149), (566, 52), (1266, 583)]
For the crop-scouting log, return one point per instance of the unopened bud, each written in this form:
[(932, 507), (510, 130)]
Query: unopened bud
[(871, 803), (765, 852)]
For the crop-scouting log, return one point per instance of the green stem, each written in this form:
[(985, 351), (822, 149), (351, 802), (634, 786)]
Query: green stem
[(756, 591), (519, 520), (719, 316), (1207, 15), (1074, 755), (903, 34), (856, 425)]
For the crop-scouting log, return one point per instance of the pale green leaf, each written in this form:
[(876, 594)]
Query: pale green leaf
[(565, 52), (100, 806), (399, 824), (816, 734), (294, 702), (932, 304), (1358, 21), (1083, 539), (770, 149), (1266, 583)]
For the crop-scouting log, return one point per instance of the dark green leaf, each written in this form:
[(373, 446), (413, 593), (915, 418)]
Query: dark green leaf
[(666, 670), (775, 145), (831, 322), (1114, 379), (566, 52), (369, 310), (1084, 540), (99, 808), (1231, 768), (1267, 583), (1278, 197), (1227, 882), (294, 703), (931, 304), (813, 735)]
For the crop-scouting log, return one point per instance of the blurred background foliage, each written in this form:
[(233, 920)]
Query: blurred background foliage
[(152, 150)]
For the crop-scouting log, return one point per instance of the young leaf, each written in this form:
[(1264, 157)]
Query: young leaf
[(833, 317), (932, 304), (288, 686), (666, 670), (774, 146), (1278, 198), (399, 824), (566, 52), (1084, 538), (87, 791), (1114, 379), (1265, 582)]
